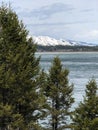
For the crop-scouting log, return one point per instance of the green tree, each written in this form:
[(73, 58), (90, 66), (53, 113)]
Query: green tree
[(86, 114), (59, 94), (94, 124), (20, 99)]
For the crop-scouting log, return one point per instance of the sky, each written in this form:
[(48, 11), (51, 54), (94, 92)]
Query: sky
[(60, 19)]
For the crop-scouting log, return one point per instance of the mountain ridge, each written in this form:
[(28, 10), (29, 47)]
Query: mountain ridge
[(48, 41)]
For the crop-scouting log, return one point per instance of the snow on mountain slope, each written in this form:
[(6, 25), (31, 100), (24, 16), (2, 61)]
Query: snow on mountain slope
[(47, 41)]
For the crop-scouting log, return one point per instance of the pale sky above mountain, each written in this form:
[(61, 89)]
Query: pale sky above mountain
[(66, 19)]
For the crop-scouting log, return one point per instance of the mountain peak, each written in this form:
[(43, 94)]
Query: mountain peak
[(48, 41)]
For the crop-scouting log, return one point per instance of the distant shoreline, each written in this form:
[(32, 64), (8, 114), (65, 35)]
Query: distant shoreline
[(59, 52), (61, 48)]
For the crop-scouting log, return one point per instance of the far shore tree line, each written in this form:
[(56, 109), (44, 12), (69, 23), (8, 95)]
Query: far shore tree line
[(62, 48), (30, 98)]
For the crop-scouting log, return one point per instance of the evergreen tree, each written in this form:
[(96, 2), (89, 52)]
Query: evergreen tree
[(94, 124), (85, 116), (59, 94), (20, 104)]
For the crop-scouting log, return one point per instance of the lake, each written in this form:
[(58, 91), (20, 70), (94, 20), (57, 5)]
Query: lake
[(81, 65)]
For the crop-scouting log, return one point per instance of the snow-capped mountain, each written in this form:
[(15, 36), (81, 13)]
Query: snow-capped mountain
[(48, 41)]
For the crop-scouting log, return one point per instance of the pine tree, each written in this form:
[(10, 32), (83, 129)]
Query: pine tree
[(59, 94), (20, 104), (86, 114), (94, 124)]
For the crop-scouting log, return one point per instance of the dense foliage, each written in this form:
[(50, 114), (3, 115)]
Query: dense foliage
[(85, 116), (59, 94), (19, 71)]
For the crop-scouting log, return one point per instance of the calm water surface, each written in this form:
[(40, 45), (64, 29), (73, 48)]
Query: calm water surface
[(82, 66)]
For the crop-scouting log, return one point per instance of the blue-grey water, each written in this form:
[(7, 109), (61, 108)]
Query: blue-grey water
[(82, 67)]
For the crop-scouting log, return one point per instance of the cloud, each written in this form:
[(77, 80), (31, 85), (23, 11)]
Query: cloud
[(93, 33), (86, 10), (57, 31), (57, 23), (47, 11), (89, 35)]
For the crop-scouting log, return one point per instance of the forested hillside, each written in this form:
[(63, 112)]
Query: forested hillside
[(66, 48)]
